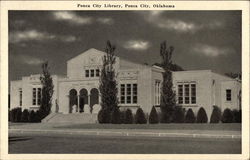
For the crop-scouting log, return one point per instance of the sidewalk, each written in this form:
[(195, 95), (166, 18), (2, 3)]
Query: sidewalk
[(51, 129)]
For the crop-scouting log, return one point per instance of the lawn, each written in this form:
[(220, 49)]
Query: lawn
[(184, 126)]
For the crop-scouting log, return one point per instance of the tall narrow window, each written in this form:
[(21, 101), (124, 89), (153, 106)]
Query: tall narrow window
[(128, 93), (228, 94), (20, 97), (157, 92), (97, 72), (86, 73), (122, 93), (92, 73), (193, 93), (134, 93), (34, 96), (186, 86), (39, 96), (180, 94)]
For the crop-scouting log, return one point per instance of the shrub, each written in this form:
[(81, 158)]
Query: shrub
[(25, 116), (122, 116), (201, 116), (237, 116), (153, 116), (39, 115), (128, 117), (190, 117), (227, 116), (140, 117), (115, 116), (32, 116), (18, 115), (216, 115), (179, 115), (104, 116)]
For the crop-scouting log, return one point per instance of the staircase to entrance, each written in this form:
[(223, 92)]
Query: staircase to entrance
[(76, 118)]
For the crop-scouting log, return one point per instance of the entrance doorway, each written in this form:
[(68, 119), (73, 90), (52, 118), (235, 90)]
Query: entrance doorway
[(83, 99)]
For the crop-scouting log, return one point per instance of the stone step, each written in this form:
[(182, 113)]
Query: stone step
[(71, 118)]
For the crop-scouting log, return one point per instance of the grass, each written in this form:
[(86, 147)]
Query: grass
[(183, 126)]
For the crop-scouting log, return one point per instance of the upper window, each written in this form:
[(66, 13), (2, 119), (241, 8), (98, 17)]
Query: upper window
[(187, 93), (97, 72), (92, 72), (228, 95), (86, 73)]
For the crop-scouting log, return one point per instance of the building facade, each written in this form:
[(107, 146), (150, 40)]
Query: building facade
[(139, 85)]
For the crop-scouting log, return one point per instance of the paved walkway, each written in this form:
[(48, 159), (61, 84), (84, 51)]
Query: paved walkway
[(55, 129)]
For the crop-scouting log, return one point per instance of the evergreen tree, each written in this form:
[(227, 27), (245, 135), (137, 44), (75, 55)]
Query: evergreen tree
[(202, 116), (128, 117), (190, 117), (168, 96), (227, 116), (108, 85), (47, 91), (116, 116), (153, 116), (179, 115), (140, 117), (216, 115)]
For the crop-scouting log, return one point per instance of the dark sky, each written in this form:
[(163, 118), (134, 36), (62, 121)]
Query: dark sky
[(202, 39)]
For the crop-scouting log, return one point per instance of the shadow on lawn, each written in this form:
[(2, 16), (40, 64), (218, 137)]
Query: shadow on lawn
[(16, 138)]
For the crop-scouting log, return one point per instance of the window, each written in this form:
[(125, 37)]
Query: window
[(228, 94), (92, 73), (39, 96), (180, 94), (157, 92), (128, 94), (122, 93), (86, 73), (20, 96), (97, 72), (186, 93), (193, 93), (134, 93), (34, 96), (186, 86)]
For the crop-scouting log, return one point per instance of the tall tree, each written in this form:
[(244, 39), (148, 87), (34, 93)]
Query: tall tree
[(47, 91), (108, 84), (167, 96)]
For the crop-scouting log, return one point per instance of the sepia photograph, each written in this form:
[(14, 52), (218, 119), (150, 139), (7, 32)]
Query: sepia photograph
[(125, 81)]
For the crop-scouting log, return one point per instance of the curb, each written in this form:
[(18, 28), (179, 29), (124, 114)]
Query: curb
[(127, 134)]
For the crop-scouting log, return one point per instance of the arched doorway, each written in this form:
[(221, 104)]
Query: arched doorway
[(83, 99), (72, 100), (94, 98)]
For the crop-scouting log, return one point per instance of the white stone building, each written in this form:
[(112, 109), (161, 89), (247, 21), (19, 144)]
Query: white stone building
[(139, 85)]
